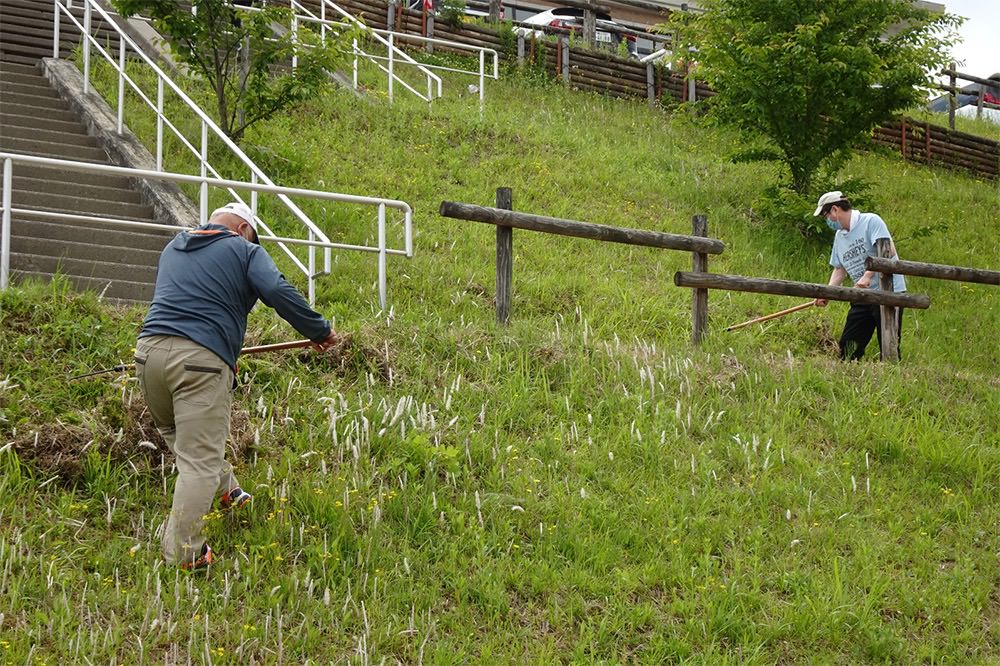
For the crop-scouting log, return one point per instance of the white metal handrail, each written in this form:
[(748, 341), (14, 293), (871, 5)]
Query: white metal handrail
[(6, 195), (392, 51), (207, 125), (656, 56), (482, 52)]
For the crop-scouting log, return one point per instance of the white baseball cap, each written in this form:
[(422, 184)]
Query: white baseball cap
[(240, 210), (828, 198)]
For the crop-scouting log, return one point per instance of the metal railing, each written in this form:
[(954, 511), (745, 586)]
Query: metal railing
[(254, 187), (208, 127), (300, 13)]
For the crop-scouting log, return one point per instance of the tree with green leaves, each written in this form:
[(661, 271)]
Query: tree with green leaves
[(240, 56), (814, 77)]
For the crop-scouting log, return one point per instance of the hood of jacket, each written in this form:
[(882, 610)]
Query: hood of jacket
[(191, 240)]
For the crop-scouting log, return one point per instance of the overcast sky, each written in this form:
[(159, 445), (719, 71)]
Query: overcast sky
[(979, 49)]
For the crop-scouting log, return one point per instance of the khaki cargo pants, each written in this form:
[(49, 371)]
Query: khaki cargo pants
[(188, 390)]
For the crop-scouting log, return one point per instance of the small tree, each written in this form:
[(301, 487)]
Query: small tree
[(814, 77), (239, 55)]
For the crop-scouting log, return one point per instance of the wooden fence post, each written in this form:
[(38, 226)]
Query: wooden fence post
[(952, 96), (699, 297), (505, 257), (564, 49), (890, 320), (520, 49), (589, 25), (650, 84), (430, 31), (494, 14)]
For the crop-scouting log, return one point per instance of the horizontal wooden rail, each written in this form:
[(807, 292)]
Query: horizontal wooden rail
[(555, 225), (806, 289), (940, 271)]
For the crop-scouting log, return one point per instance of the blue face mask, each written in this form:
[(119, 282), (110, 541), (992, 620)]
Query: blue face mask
[(833, 224)]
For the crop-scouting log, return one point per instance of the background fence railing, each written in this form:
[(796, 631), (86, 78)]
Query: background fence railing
[(606, 73)]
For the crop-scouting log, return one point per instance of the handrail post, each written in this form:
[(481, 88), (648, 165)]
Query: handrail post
[(391, 63), (55, 30), (8, 186), (699, 297), (322, 26), (952, 96), (355, 45), (253, 194), (86, 46), (381, 256), (159, 123), (312, 269), (203, 213), (295, 41), (889, 325), (482, 80), (505, 258), (121, 84)]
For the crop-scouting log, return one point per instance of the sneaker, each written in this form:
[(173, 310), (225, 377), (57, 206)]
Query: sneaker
[(206, 558), (236, 498)]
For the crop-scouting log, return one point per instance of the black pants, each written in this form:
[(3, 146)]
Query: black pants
[(862, 321)]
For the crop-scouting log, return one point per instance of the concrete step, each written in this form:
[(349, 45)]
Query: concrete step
[(123, 291), (10, 108), (94, 233), (7, 67), (37, 86), (32, 79), (56, 150), (38, 101), (69, 202), (10, 119), (122, 194), (42, 103), (21, 37), (78, 138), (104, 270), (71, 178), (7, 55), (84, 251)]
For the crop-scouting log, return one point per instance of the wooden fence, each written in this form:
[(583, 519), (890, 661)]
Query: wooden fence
[(698, 279), (606, 73), (506, 220)]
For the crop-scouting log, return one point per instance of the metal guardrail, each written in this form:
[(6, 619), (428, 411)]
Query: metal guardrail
[(10, 159), (208, 127)]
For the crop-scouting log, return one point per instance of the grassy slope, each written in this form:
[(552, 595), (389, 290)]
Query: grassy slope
[(581, 486)]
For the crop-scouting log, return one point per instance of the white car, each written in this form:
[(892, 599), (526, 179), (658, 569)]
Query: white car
[(571, 18)]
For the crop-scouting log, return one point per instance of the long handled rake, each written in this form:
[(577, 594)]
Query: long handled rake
[(772, 316)]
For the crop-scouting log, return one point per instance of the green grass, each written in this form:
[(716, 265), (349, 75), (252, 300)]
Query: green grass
[(582, 486)]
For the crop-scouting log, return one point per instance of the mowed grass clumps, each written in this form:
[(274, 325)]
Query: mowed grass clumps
[(579, 486)]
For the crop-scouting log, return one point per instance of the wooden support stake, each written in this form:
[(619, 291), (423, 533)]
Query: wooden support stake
[(650, 84), (699, 297), (564, 47), (430, 32), (390, 17), (505, 257), (520, 49), (952, 97), (589, 26), (890, 317)]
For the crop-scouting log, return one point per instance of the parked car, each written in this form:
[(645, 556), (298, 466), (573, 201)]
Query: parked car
[(609, 33)]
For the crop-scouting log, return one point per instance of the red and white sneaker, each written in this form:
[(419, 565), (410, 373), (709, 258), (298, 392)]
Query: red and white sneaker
[(236, 498), (206, 558)]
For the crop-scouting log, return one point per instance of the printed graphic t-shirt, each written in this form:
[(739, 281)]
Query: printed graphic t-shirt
[(850, 248)]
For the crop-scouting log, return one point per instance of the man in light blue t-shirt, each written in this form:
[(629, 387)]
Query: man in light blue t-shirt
[(854, 241)]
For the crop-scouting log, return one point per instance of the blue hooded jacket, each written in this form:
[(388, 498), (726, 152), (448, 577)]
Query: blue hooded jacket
[(208, 281)]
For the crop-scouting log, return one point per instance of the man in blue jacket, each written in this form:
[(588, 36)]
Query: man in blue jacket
[(207, 281), (854, 241)]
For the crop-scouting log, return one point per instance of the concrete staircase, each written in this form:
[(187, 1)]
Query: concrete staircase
[(34, 120)]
